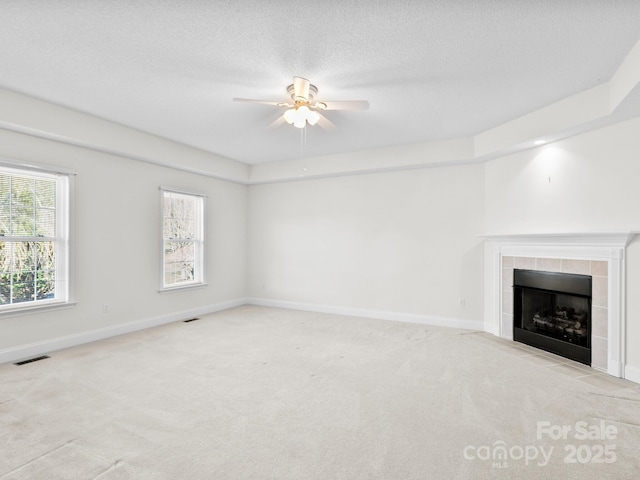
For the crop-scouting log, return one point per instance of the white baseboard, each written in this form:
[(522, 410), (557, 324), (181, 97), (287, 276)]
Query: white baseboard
[(379, 314), (39, 348), (632, 374)]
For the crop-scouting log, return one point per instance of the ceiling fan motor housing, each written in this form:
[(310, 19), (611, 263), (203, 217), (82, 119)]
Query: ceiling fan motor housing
[(311, 93)]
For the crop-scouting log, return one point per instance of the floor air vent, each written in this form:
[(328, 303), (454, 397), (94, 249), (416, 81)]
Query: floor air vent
[(191, 320), (30, 360)]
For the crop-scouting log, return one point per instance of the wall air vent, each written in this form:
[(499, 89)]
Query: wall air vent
[(31, 360)]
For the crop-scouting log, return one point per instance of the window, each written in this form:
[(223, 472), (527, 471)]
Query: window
[(182, 239), (33, 238)]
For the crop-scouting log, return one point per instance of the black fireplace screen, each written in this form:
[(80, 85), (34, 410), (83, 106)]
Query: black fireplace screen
[(561, 316), (552, 312)]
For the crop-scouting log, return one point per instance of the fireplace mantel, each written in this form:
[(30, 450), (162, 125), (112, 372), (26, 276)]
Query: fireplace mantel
[(557, 240), (606, 247)]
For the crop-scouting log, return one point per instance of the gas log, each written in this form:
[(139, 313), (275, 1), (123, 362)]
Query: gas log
[(562, 320)]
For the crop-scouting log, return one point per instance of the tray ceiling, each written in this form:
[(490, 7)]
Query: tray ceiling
[(430, 70)]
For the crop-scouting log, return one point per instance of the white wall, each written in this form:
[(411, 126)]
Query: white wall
[(403, 242), (117, 247), (585, 183)]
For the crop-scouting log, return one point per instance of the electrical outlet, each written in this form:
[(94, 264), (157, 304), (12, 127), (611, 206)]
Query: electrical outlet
[(105, 308), (462, 302)]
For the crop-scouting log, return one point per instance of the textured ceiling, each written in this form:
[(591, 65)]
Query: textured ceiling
[(430, 69)]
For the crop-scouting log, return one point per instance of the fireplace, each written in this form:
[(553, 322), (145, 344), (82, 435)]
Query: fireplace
[(600, 255), (552, 311)]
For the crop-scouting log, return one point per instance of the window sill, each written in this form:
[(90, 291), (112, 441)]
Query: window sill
[(33, 309), (181, 288)]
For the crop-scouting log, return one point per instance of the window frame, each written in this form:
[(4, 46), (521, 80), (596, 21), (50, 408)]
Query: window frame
[(199, 241), (62, 242)]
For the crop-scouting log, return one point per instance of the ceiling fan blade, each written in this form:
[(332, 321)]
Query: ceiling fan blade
[(325, 123), (263, 102), (277, 122), (301, 88), (343, 105)]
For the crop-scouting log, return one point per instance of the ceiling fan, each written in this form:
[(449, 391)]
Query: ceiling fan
[(303, 109)]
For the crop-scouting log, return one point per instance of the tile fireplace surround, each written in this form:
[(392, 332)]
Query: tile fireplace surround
[(601, 255)]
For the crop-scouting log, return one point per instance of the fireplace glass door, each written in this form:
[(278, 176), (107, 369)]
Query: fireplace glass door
[(552, 311)]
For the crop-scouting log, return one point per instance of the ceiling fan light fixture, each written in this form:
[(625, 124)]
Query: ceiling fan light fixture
[(290, 116), (300, 116), (312, 117)]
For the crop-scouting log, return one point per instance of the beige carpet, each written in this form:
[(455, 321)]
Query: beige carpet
[(258, 393)]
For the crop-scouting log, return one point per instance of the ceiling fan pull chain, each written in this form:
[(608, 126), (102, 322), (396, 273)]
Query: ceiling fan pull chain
[(303, 139)]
